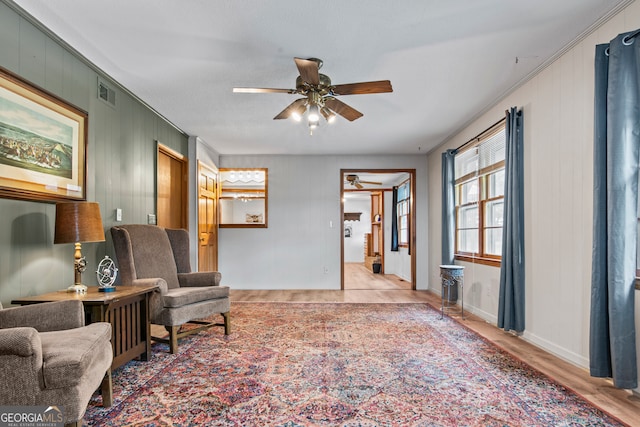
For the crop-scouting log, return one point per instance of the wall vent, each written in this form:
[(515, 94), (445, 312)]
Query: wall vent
[(106, 94)]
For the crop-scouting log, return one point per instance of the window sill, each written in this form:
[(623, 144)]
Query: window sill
[(477, 260)]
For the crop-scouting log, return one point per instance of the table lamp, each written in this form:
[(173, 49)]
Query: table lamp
[(78, 222)]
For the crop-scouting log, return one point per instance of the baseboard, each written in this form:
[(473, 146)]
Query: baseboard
[(541, 343), (558, 351), (488, 317)]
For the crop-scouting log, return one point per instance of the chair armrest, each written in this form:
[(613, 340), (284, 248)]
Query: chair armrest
[(156, 302), (23, 342), (20, 366), (161, 284), (44, 317), (199, 279)]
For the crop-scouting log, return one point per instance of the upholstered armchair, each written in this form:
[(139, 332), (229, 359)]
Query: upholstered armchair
[(48, 357), (148, 254)]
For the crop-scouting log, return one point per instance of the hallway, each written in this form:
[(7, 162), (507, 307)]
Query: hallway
[(356, 276)]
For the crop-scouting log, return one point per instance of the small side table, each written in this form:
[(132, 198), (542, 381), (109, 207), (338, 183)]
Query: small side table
[(452, 275), (126, 308)]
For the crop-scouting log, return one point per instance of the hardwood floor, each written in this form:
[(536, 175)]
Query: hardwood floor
[(357, 276), (619, 403)]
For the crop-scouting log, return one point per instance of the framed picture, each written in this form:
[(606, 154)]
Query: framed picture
[(42, 144)]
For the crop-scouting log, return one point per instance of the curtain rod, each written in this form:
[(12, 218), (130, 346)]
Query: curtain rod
[(477, 137), (632, 35), (625, 40)]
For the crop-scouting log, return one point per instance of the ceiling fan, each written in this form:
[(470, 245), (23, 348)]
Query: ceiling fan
[(319, 95), (354, 180)]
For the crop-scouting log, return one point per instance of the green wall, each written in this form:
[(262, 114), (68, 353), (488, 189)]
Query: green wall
[(121, 158)]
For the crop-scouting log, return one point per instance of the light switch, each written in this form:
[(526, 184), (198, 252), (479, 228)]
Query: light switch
[(151, 219), (118, 214)]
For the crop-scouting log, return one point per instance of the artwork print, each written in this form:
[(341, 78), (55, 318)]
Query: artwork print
[(42, 144)]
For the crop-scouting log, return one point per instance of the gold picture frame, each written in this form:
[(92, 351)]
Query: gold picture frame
[(42, 143)]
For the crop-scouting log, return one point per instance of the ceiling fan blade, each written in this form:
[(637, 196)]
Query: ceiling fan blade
[(357, 184), (343, 109), (261, 90), (295, 105), (308, 70), (370, 182), (380, 86)]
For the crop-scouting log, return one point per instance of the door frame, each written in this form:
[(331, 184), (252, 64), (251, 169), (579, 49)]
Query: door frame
[(412, 207)]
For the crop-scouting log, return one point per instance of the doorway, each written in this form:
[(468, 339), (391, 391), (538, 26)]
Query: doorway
[(377, 247), (172, 190)]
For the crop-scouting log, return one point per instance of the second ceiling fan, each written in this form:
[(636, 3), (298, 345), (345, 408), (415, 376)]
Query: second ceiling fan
[(319, 95), (354, 181)]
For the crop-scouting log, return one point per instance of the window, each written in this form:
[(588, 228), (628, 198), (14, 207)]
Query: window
[(479, 189), (404, 196)]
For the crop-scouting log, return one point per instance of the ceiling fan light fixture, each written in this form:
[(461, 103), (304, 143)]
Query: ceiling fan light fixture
[(298, 111), (328, 115), (313, 125), (314, 115), (317, 90)]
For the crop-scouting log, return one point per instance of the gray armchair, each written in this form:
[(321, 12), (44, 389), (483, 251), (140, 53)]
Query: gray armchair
[(148, 254), (48, 357)]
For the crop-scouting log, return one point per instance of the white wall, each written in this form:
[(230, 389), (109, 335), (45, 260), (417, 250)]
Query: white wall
[(301, 247), (354, 245), (398, 263), (558, 126)]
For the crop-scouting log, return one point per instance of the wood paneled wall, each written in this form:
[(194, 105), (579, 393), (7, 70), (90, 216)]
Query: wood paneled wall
[(558, 139), (121, 156)]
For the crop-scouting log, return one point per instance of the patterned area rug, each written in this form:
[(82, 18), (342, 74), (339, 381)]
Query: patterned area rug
[(338, 365)]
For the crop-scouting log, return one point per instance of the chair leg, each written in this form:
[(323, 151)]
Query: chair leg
[(106, 389), (227, 323), (173, 338), (74, 424)]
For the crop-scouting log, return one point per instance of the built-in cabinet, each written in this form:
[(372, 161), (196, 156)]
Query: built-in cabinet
[(243, 198)]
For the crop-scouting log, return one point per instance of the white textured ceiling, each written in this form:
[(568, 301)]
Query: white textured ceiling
[(447, 61)]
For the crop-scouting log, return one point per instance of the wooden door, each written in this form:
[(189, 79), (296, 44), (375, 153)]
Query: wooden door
[(172, 190), (207, 218)]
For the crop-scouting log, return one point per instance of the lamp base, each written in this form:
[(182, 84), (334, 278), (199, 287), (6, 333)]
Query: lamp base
[(106, 288), (77, 288)]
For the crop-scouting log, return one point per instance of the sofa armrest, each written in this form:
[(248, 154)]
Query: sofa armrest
[(199, 279), (44, 317)]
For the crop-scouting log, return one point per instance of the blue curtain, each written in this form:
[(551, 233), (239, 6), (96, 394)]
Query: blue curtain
[(511, 299), (448, 207), (394, 220), (612, 346)]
